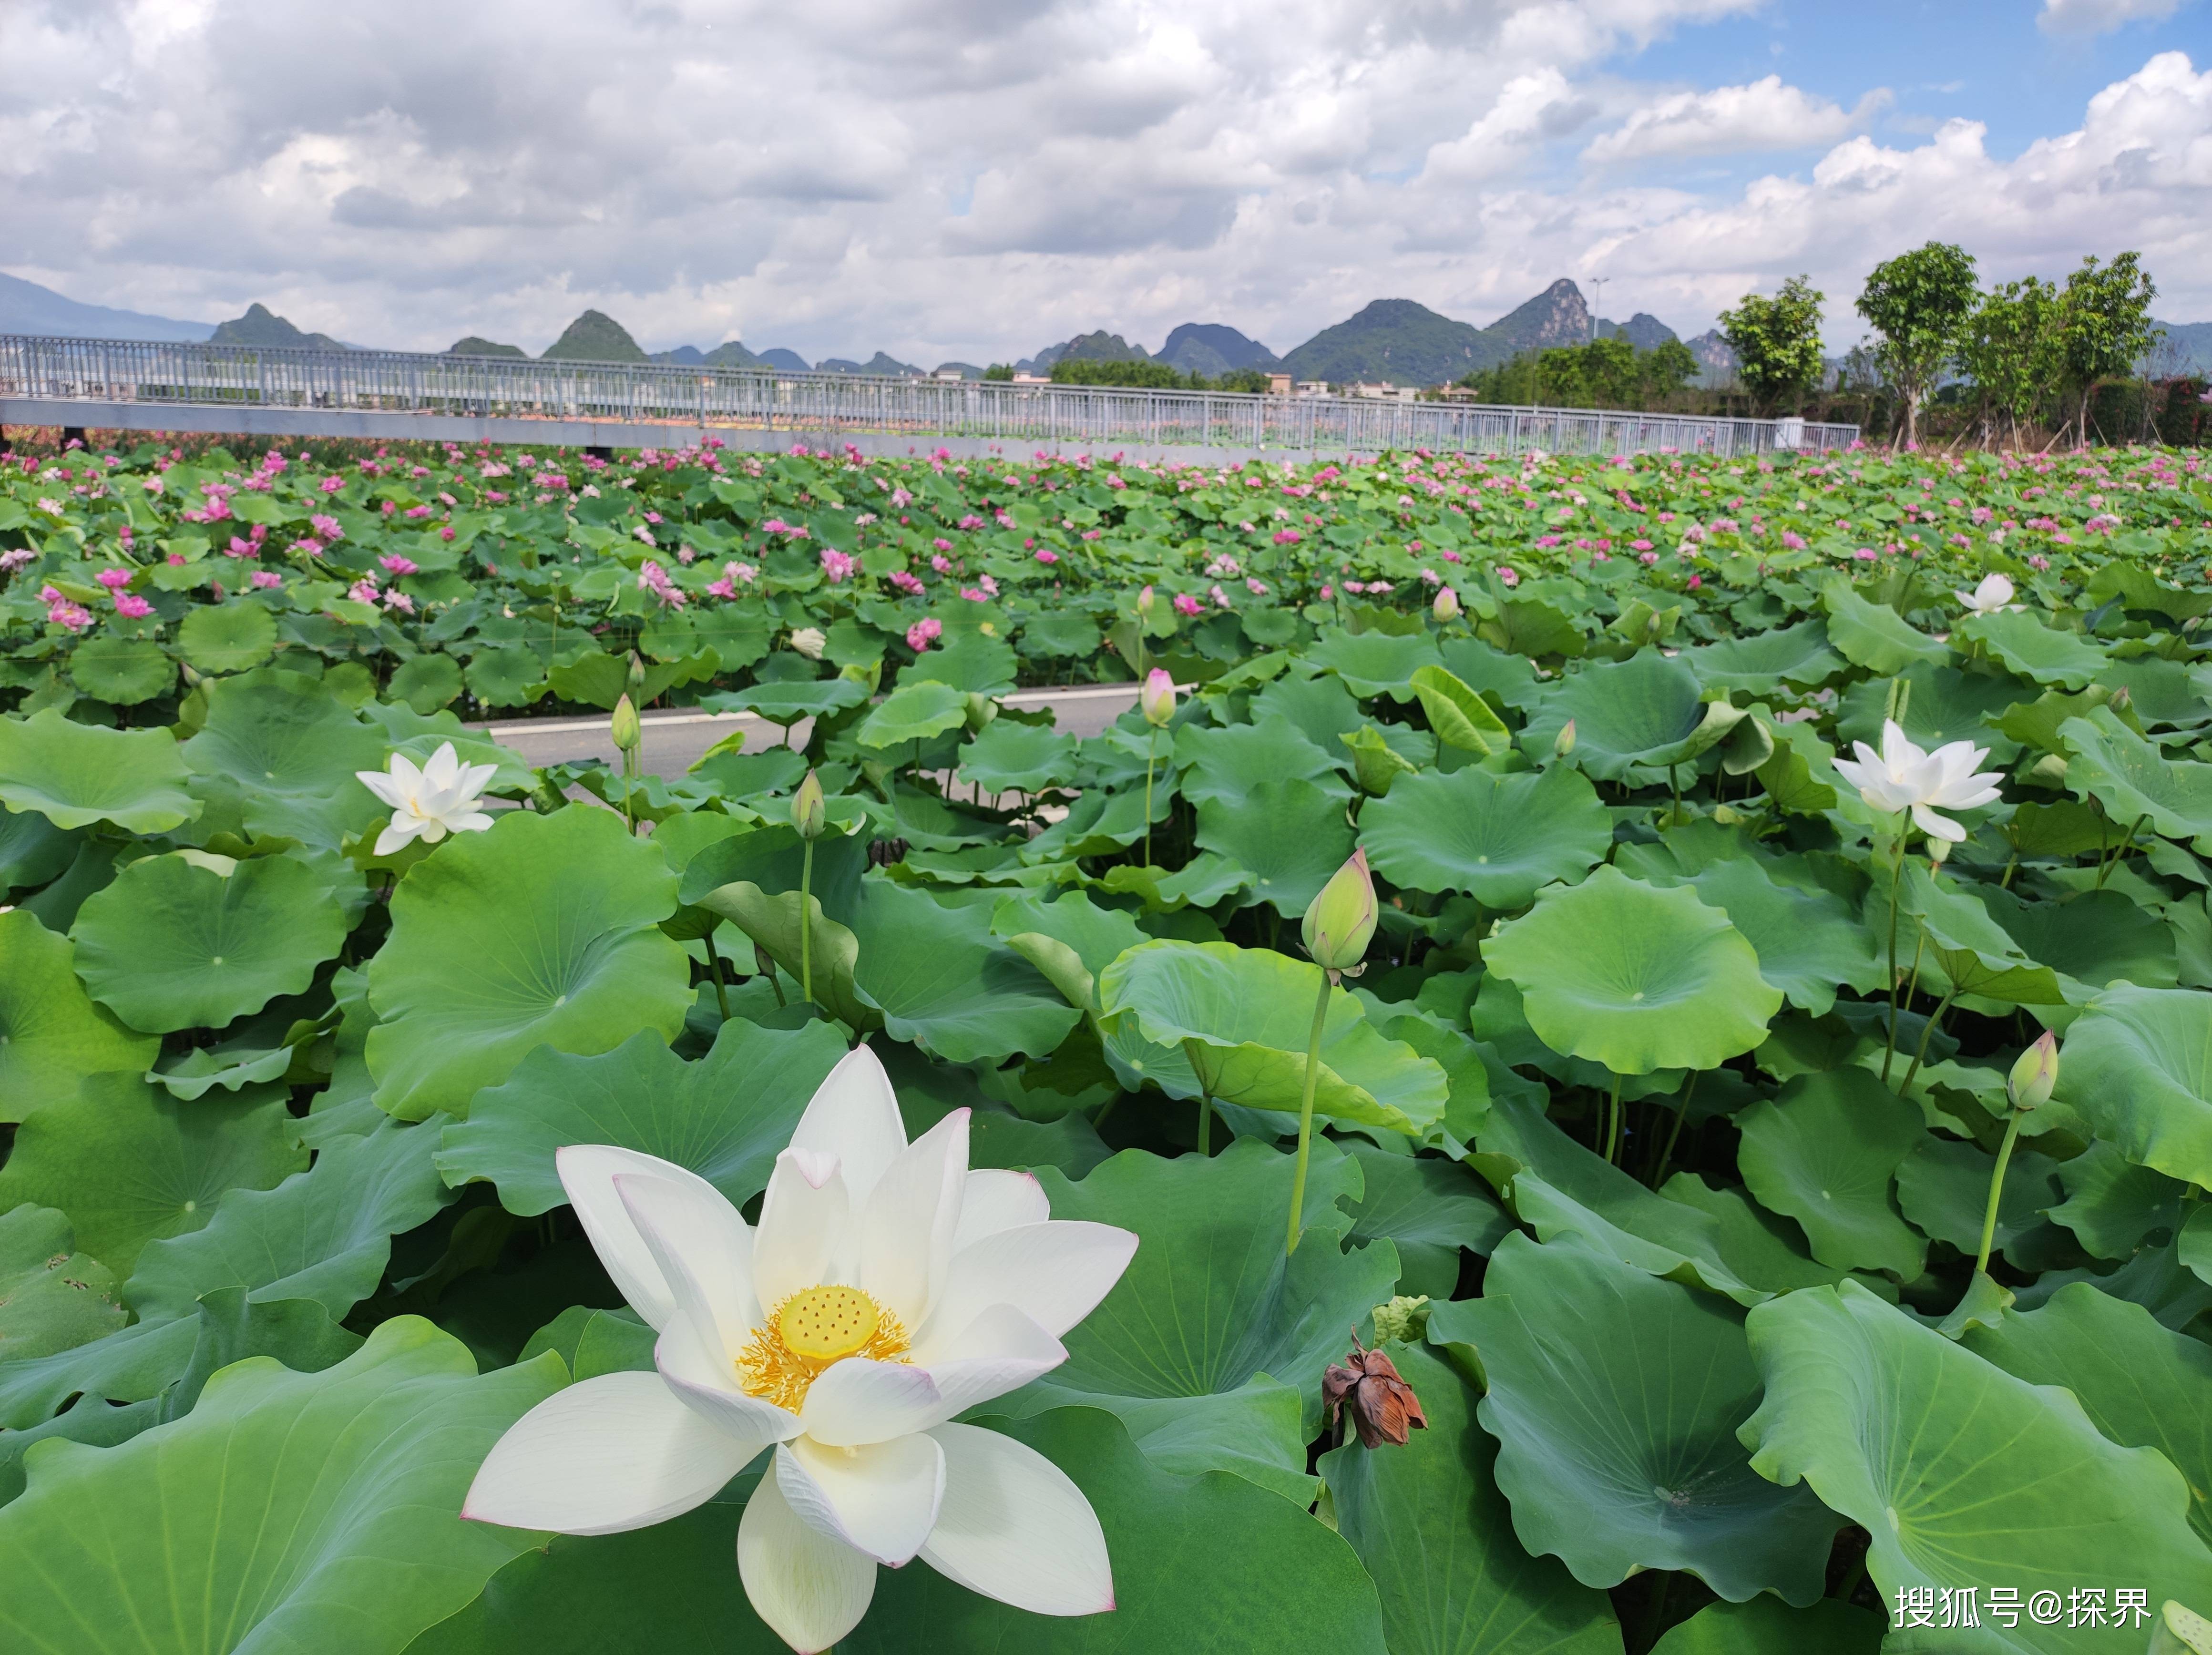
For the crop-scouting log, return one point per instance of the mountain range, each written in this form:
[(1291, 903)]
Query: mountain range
[(1394, 340)]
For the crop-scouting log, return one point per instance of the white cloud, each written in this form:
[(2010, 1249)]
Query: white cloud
[(1765, 115), (2100, 16)]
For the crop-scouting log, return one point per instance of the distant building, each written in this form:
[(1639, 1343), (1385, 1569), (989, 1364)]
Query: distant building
[(1279, 385), (1386, 391), (1032, 378)]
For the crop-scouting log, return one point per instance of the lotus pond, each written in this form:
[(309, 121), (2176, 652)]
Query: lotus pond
[(1654, 1105)]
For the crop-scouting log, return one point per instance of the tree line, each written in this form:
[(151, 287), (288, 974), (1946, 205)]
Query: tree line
[(1140, 376)]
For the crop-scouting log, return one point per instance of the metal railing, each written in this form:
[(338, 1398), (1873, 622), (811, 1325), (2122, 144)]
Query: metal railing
[(824, 405)]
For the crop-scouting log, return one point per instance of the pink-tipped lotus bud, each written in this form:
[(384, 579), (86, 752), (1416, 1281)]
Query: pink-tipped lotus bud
[(1446, 608), (1340, 921), (2036, 1072), (1564, 743), (1145, 601), (808, 811), (1158, 698)]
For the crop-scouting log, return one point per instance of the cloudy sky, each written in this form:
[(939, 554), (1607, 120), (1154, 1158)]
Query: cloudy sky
[(973, 178)]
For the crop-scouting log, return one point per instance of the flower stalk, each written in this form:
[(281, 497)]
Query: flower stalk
[(1339, 923), (809, 814)]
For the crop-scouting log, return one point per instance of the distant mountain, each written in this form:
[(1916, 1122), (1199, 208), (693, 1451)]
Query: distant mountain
[(1555, 317), (1213, 350), (965, 370), (1642, 331), (789, 361), (682, 356), (26, 307), (2187, 347), (1099, 347), (1716, 354), (879, 364), (730, 354), (595, 337), (262, 327), (1042, 361), (475, 346), (1400, 341)]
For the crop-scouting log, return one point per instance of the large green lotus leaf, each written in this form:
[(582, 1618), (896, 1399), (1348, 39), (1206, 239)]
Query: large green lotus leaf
[(1436, 1535), (2096, 938), (675, 1586), (726, 1117), (913, 713), (1374, 662), (1229, 763), (946, 984), (349, 1542), (1766, 1626), (2027, 646), (123, 670), (1247, 1015), (542, 931), (1826, 1153), (1084, 938), (1962, 1474), (2137, 1067), (1011, 757), (33, 849), (823, 958), (1210, 1310), (174, 944), (1615, 1398), (786, 701), (76, 774), (227, 637), (1874, 635), (1764, 1250), (52, 1296), (506, 677), (1629, 716), (1510, 678), (129, 1164), (2141, 1385), (1808, 941), (2131, 778), (1943, 1187), (970, 661), (137, 1364), (1320, 706), (51, 1034), (1499, 838), (1458, 714), (2113, 1205), (1429, 1209), (1761, 661), (1291, 834), (426, 682), (1966, 950), (1634, 977), (1943, 706), (324, 1234), (773, 858), (291, 748), (2161, 693)]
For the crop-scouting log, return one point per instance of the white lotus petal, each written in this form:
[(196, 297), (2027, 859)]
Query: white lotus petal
[(856, 1401), (1013, 1526), (605, 1455), (811, 1590), (587, 1173), (998, 1351), (855, 1115), (1055, 1273), (444, 768), (907, 1225), (704, 1249), (399, 834), (804, 1233), (705, 1382), (882, 1499), (380, 785), (1937, 827), (994, 1199)]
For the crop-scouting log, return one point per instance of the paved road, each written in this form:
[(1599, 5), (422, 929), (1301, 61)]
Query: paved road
[(673, 741)]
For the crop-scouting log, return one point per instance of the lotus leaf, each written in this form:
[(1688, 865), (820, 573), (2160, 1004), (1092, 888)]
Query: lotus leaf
[(1826, 1153), (1499, 838), (77, 774)]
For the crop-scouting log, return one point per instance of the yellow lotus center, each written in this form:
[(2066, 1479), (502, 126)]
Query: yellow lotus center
[(810, 1330)]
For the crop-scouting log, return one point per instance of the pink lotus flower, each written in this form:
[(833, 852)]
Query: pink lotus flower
[(1257, 588), (1185, 603), (1046, 554), (1508, 576), (395, 564), (837, 564), (923, 633), (113, 579), (267, 579), (325, 528), (1327, 592), (132, 605), (906, 583), (1287, 537), (331, 485), (941, 563)]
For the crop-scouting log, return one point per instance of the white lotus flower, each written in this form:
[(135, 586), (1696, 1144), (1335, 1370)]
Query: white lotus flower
[(1994, 593), (441, 797), (1903, 777), (810, 641), (886, 1289)]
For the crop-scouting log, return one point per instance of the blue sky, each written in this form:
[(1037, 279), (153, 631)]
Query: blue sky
[(973, 178)]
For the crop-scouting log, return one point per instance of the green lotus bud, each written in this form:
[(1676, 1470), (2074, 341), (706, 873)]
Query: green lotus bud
[(1158, 698), (1340, 921), (637, 673), (628, 734), (2036, 1072), (1938, 852), (1446, 608), (807, 811), (981, 709), (1564, 743)]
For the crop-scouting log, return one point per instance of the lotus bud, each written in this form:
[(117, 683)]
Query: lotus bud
[(637, 673), (1157, 697), (1340, 921), (2036, 1072), (1564, 743), (628, 734), (981, 709), (810, 641), (1145, 601), (2122, 697), (808, 812), (1446, 607), (1938, 852)]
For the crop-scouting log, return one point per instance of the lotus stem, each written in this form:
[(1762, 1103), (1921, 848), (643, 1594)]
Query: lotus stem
[(2120, 855), (805, 922), (1305, 1116), (715, 970), (1896, 877), (1675, 1132), (1205, 1118), (1151, 752), (1612, 1123), (1996, 1188), (1927, 1034)]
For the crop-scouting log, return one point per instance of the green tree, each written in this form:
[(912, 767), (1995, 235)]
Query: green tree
[(1668, 368), (2104, 326), (2010, 349), (1917, 302), (1252, 380), (999, 370), (1145, 376), (1777, 343)]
